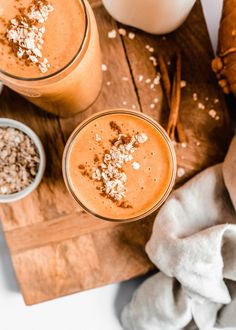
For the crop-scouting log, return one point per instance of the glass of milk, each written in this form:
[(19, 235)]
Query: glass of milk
[(153, 16)]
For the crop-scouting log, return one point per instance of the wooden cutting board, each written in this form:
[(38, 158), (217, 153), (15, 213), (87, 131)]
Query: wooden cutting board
[(57, 248)]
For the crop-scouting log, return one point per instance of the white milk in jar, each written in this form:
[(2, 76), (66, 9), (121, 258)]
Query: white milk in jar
[(153, 16)]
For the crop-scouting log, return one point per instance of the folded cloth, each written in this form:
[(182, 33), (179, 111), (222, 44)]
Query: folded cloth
[(193, 244)]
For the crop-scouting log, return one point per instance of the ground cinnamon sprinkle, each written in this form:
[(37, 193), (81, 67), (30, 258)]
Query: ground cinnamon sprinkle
[(112, 141), (96, 158), (85, 173), (115, 127), (125, 205), (3, 41), (25, 33), (109, 172)]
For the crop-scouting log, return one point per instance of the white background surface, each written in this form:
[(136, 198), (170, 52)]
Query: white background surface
[(97, 309)]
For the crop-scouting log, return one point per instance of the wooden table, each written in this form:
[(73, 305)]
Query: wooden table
[(57, 248)]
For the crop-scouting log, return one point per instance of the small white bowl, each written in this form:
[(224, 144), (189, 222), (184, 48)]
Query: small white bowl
[(5, 122)]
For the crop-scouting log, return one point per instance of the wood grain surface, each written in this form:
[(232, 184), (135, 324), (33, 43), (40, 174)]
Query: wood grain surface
[(56, 247)]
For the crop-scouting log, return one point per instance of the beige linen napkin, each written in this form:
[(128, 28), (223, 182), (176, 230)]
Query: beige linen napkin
[(194, 246)]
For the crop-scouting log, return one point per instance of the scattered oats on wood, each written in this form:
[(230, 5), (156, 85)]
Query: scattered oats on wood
[(152, 86), (108, 83), (183, 83), (131, 35), (212, 113), (195, 97), (201, 106), (153, 60), (216, 100), (104, 67), (152, 106), (133, 107), (180, 172), (149, 48), (19, 160), (156, 80), (140, 78), (156, 100), (112, 34), (124, 102), (125, 78), (122, 32)]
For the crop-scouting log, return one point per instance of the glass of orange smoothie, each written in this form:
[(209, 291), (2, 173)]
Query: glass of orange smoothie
[(50, 53), (119, 165)]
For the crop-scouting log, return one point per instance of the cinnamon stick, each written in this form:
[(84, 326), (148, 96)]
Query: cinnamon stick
[(164, 77), (175, 99), (180, 131), (166, 83)]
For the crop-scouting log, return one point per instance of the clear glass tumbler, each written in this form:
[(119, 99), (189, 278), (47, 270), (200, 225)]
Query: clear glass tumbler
[(149, 186), (72, 88)]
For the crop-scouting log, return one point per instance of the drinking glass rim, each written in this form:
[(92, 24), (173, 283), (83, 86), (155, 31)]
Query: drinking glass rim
[(63, 68), (143, 116)]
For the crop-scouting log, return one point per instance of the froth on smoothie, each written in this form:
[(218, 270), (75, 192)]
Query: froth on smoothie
[(119, 165)]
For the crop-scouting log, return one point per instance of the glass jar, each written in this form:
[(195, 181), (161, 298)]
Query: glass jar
[(153, 16), (148, 186), (72, 88)]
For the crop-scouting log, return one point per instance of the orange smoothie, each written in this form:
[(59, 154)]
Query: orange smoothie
[(50, 53), (119, 165)]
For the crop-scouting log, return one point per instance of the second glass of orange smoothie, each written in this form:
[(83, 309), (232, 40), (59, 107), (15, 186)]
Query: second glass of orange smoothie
[(50, 53), (119, 165)]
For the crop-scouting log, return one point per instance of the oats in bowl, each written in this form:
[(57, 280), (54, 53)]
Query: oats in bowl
[(22, 160), (19, 160)]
